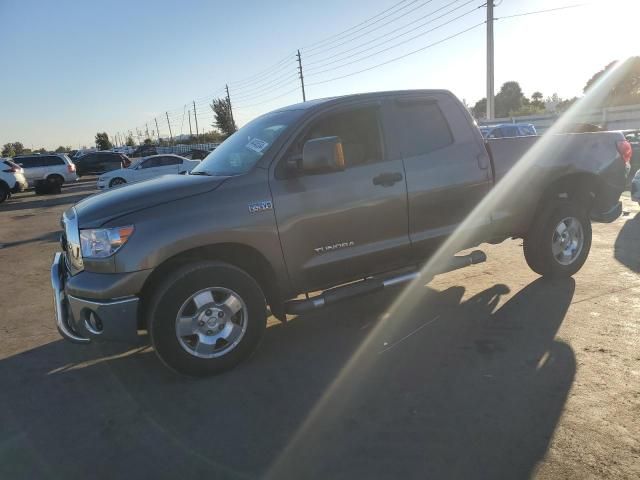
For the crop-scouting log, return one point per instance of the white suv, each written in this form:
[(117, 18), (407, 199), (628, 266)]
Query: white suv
[(11, 179), (47, 172)]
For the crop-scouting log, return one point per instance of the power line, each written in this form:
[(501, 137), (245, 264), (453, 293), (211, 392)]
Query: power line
[(401, 56), (264, 73), (392, 38), (395, 45), (335, 37), (269, 100), (542, 11), (257, 93), (273, 81), (376, 28)]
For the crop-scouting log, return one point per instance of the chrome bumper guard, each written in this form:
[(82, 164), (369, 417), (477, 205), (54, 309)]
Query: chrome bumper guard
[(117, 318), (57, 283)]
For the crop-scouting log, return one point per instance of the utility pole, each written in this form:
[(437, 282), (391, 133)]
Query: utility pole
[(195, 115), (169, 123), (146, 125), (157, 130), (229, 103), (304, 96), (190, 131), (490, 61)]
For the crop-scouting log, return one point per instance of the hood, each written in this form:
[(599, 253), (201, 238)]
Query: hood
[(100, 208), (110, 173)]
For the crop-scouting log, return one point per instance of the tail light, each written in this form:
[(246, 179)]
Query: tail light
[(71, 167), (625, 150)]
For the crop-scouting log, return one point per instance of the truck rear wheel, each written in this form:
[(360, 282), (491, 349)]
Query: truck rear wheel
[(206, 318), (559, 240)]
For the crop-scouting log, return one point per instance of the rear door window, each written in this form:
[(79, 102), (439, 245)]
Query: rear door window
[(152, 163), (422, 127), (169, 160), (52, 161), (29, 162)]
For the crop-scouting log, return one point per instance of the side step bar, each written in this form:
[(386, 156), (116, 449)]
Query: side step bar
[(374, 284)]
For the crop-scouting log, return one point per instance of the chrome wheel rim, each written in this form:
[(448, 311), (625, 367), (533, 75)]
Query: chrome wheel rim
[(117, 181), (211, 322), (567, 241)]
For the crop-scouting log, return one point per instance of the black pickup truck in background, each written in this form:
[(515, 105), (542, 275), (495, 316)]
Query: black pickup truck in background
[(342, 195)]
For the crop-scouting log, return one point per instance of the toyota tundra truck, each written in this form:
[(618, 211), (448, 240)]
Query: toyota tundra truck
[(314, 203)]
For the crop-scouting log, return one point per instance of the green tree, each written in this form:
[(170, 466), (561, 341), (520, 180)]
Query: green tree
[(8, 150), (509, 99), (129, 142), (12, 149), (626, 89), (147, 141), (479, 110), (223, 117), (62, 149), (103, 142), (536, 100), (564, 105)]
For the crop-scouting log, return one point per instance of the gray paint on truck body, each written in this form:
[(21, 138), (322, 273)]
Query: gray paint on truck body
[(384, 227)]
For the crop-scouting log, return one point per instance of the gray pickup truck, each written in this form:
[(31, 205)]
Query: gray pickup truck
[(334, 198)]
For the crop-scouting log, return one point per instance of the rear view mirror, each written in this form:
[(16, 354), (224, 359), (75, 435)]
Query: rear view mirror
[(322, 155)]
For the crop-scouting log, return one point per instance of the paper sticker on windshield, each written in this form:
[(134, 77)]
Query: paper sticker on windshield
[(257, 145)]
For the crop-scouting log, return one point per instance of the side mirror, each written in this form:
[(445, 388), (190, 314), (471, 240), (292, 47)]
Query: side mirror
[(322, 155)]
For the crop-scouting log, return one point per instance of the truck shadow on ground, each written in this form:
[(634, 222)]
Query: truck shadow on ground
[(476, 393), (627, 246)]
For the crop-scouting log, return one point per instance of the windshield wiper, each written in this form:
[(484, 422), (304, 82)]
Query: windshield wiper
[(200, 173)]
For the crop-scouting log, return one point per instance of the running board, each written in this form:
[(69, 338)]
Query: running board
[(374, 284)]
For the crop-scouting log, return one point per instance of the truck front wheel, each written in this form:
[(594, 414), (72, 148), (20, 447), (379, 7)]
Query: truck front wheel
[(206, 318), (559, 240)]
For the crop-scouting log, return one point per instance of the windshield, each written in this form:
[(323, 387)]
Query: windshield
[(241, 151)]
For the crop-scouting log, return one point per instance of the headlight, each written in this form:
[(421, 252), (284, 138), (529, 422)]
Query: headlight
[(104, 242)]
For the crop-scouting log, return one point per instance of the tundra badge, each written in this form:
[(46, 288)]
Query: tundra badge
[(260, 206)]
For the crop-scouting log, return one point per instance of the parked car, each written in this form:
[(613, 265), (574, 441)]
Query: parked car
[(144, 151), (47, 172), (346, 195), (97, 163), (145, 169), (635, 187), (12, 179), (197, 154), (507, 130)]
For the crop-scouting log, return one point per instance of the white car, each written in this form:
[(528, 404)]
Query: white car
[(11, 179), (145, 169), (635, 188), (47, 172)]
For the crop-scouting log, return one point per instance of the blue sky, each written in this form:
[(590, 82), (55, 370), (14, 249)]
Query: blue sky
[(72, 68)]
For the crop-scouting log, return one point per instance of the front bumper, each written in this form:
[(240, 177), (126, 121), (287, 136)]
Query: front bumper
[(20, 186), (80, 320)]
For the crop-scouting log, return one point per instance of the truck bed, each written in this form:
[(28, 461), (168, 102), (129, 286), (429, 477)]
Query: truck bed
[(540, 160)]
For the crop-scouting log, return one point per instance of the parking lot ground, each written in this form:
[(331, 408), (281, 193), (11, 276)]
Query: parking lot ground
[(495, 373)]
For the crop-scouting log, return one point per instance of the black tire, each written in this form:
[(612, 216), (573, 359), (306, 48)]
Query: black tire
[(171, 294), (117, 181), (538, 243), (54, 184), (41, 188), (5, 193)]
